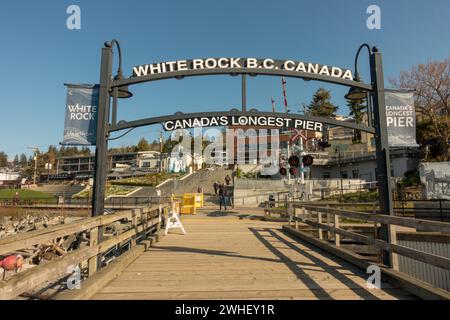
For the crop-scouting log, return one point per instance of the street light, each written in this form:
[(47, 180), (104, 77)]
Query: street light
[(36, 151), (123, 91), (358, 93)]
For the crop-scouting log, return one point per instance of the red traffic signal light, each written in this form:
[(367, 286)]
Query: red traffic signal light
[(294, 161), (293, 171), (283, 171), (307, 160)]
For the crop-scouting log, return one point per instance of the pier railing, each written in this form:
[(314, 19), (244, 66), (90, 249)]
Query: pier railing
[(143, 222)]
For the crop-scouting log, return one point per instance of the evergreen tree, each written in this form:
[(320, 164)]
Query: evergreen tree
[(356, 108), (85, 151), (16, 160), (321, 105), (3, 159), (143, 145), (23, 160), (155, 146)]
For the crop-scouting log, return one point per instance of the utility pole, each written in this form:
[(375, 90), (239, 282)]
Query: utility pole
[(283, 84), (244, 93)]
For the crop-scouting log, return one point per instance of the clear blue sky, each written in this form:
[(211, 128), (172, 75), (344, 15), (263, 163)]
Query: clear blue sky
[(39, 54)]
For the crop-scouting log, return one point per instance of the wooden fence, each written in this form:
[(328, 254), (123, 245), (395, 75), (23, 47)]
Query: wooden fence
[(328, 219), (143, 222)]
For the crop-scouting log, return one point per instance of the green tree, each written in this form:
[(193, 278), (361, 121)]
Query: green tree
[(16, 160), (321, 105), (3, 159), (23, 160), (168, 145), (85, 151), (356, 108), (143, 145), (154, 146)]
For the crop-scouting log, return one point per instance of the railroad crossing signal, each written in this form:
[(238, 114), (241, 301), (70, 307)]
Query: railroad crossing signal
[(294, 161), (296, 134), (307, 160)]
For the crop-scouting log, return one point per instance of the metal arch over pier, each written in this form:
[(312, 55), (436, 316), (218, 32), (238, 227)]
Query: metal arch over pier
[(181, 116), (268, 67), (117, 87)]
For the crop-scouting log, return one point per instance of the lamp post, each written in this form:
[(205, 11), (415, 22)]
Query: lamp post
[(101, 147), (36, 151), (338, 151), (382, 147)]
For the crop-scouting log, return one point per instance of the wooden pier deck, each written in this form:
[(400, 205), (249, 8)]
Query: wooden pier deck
[(232, 258)]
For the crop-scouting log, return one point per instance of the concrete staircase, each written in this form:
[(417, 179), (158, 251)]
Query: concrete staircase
[(188, 184)]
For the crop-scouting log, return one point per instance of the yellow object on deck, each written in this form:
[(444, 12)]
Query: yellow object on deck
[(189, 202)]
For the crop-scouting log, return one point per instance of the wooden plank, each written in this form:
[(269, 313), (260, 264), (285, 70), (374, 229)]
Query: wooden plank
[(319, 220), (337, 237), (93, 284), (93, 241), (234, 259), (345, 294)]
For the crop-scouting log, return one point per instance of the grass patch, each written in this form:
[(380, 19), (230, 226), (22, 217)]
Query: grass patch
[(24, 194), (355, 197), (149, 180), (111, 190)]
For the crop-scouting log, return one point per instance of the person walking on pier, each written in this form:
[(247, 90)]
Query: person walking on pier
[(222, 199), (227, 179), (216, 187)]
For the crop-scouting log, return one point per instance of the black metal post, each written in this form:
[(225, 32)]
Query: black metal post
[(369, 110), (244, 93), (114, 106), (382, 151), (101, 148), (340, 173), (160, 151)]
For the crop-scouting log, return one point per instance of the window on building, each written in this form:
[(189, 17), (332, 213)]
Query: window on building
[(326, 175), (344, 175), (355, 174)]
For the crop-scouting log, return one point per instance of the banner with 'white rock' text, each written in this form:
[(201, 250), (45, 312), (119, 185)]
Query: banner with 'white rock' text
[(80, 125)]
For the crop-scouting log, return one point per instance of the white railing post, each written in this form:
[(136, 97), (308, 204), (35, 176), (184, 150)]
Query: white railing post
[(93, 241), (337, 237), (290, 212), (319, 221)]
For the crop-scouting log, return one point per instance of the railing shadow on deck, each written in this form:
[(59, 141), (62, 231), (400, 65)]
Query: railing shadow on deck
[(229, 254), (320, 293)]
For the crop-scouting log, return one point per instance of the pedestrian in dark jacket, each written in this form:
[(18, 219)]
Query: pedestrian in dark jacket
[(222, 199), (216, 187)]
